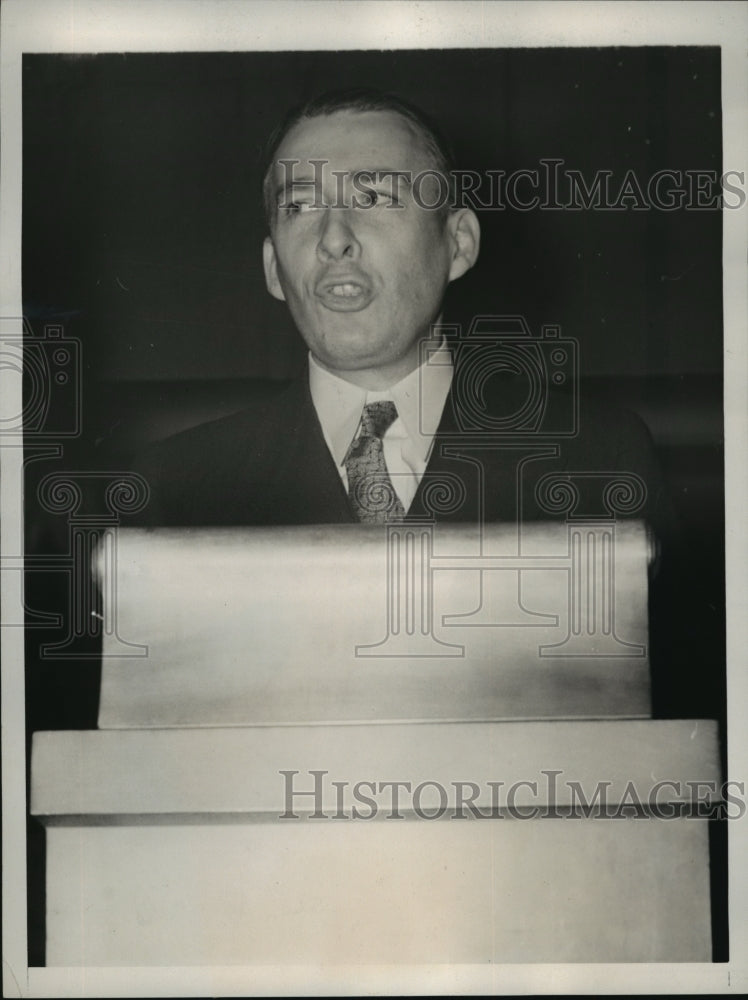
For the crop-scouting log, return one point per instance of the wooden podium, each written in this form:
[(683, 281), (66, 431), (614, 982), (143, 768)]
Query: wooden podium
[(417, 840)]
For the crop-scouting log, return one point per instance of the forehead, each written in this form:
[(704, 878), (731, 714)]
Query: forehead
[(356, 140)]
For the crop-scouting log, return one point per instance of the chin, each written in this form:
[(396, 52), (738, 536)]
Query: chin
[(354, 364), (353, 356)]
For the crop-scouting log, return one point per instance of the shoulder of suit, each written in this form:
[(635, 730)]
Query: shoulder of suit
[(548, 409), (261, 417)]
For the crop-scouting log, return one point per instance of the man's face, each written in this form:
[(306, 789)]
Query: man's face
[(364, 284)]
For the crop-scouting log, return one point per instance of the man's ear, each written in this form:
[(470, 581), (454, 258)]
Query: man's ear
[(270, 264), (464, 229)]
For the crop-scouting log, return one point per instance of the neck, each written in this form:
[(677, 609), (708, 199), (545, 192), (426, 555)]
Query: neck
[(385, 376)]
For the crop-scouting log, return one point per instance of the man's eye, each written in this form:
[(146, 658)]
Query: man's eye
[(300, 207)]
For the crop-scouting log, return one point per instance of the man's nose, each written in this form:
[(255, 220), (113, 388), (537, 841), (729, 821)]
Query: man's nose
[(337, 239)]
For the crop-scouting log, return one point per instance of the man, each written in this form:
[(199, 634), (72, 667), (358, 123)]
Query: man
[(365, 237)]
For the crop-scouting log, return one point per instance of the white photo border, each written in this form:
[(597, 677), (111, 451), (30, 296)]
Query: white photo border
[(75, 26)]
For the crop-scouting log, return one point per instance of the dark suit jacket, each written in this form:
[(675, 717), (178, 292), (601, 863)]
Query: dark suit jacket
[(269, 465)]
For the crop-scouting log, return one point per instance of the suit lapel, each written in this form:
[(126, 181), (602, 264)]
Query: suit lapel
[(307, 488), (457, 477)]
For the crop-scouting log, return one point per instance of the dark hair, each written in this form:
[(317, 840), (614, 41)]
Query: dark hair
[(356, 99)]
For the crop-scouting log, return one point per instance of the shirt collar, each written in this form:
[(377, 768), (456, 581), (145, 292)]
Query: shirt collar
[(419, 399)]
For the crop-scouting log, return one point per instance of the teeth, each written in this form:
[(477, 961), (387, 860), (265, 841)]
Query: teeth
[(346, 289)]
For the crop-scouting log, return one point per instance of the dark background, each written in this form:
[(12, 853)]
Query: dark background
[(142, 211), (142, 233)]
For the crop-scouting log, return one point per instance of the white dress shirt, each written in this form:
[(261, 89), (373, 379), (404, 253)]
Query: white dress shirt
[(407, 444)]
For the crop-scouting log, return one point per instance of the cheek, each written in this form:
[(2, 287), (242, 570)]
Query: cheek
[(421, 285), (291, 277)]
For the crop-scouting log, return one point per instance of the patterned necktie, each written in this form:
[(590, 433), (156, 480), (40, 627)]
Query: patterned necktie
[(370, 488)]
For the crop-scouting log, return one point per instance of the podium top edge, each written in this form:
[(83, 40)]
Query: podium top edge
[(242, 769)]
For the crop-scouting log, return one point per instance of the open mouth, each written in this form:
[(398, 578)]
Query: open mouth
[(344, 296), (348, 290)]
